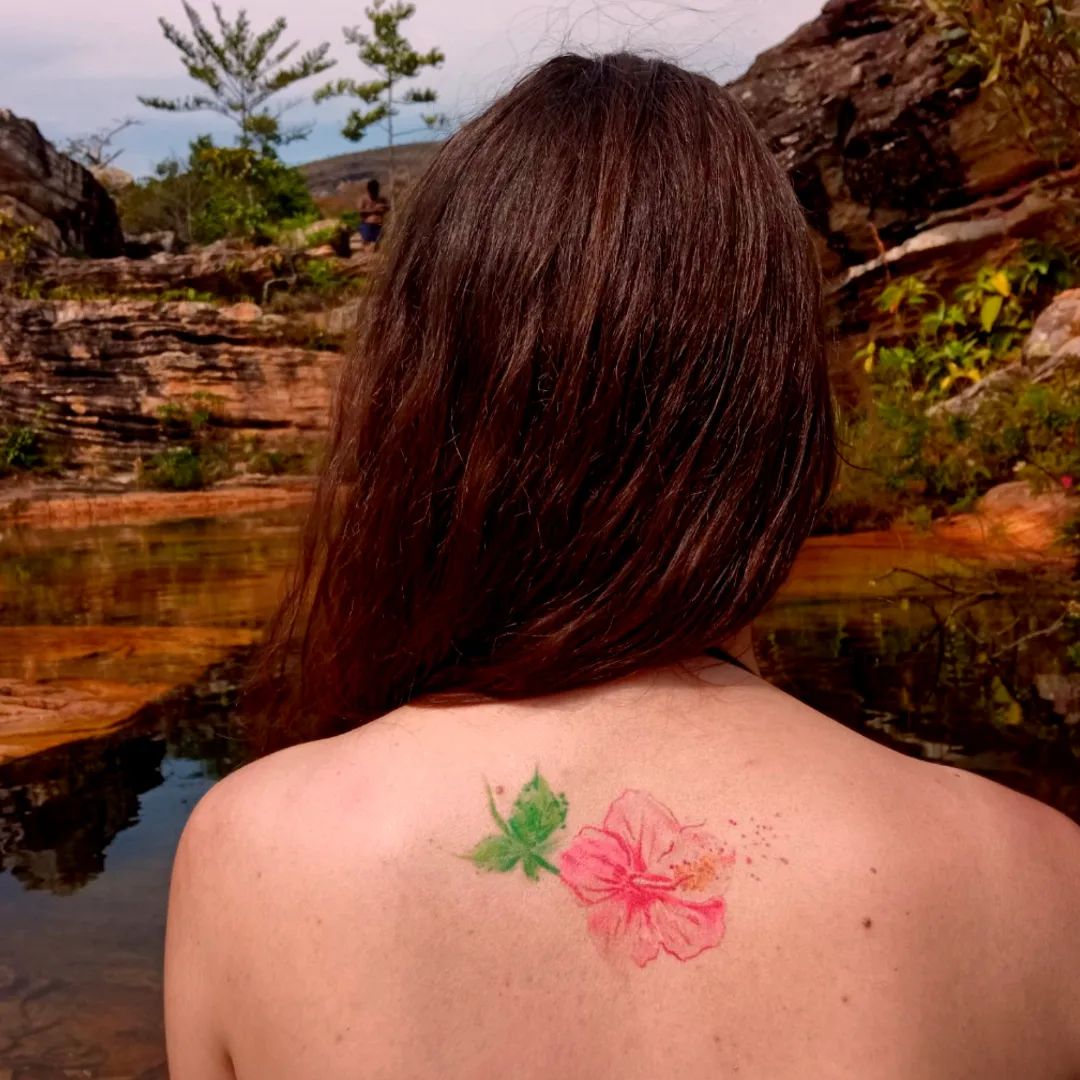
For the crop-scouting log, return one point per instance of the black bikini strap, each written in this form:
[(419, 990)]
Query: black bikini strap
[(721, 654)]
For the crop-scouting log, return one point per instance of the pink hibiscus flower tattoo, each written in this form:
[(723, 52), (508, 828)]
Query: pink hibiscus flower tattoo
[(650, 883)]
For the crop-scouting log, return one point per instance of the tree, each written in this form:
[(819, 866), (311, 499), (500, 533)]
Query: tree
[(240, 70), (1027, 53), (386, 51), (96, 150)]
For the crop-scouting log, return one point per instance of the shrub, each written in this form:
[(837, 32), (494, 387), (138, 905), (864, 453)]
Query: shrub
[(940, 344), (200, 455), (219, 192), (21, 449), (281, 461), (190, 416), (1025, 54), (16, 245), (179, 468), (901, 460)]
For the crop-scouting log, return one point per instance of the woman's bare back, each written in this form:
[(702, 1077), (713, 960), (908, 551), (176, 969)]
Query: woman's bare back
[(701, 877)]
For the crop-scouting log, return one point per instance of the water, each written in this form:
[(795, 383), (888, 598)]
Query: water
[(945, 664)]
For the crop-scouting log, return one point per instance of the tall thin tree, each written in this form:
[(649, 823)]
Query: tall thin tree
[(388, 53), (240, 70)]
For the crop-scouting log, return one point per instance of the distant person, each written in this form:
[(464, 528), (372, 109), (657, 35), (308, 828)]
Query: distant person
[(539, 816), (373, 209)]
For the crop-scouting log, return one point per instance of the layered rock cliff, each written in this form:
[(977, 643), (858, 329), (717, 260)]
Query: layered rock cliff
[(96, 374), (859, 107)]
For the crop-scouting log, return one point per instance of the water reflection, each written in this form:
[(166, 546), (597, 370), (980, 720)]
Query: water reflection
[(202, 572), (61, 809), (984, 688), (949, 663)]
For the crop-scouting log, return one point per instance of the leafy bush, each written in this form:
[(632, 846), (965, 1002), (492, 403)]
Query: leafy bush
[(219, 192), (190, 416), (956, 340), (281, 461), (321, 276), (1025, 52), (179, 468), (903, 460), (314, 284), (201, 455), (21, 449), (16, 244)]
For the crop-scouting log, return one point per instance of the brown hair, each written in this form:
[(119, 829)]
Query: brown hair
[(587, 425)]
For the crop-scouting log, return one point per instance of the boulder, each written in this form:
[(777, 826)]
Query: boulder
[(113, 179), (69, 209), (1012, 517), (858, 106), (328, 236), (1054, 340)]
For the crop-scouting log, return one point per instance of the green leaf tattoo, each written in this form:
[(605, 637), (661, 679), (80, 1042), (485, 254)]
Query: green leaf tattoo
[(525, 837)]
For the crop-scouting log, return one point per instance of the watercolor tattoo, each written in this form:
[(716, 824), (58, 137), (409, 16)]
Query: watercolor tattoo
[(649, 884), (524, 837)]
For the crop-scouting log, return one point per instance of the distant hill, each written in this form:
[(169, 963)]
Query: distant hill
[(337, 176)]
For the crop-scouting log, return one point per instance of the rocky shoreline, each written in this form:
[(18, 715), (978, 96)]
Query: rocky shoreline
[(58, 506)]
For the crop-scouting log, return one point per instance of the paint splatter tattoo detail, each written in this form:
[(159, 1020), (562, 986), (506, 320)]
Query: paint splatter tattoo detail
[(649, 883)]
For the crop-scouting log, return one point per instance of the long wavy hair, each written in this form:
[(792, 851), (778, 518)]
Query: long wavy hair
[(587, 423)]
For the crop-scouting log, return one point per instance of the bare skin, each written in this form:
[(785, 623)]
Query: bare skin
[(884, 918)]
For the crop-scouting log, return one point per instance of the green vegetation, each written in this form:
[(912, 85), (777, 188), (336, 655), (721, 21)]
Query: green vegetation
[(939, 344), (21, 449), (393, 59), (16, 245), (244, 191), (239, 71), (312, 284), (905, 458), (1027, 56), (219, 192), (199, 455), (199, 451), (179, 468), (293, 460)]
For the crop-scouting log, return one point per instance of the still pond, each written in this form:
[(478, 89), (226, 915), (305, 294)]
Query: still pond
[(926, 651)]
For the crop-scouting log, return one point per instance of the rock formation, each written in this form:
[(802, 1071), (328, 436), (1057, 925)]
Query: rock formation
[(69, 209), (858, 108), (96, 373), (227, 269)]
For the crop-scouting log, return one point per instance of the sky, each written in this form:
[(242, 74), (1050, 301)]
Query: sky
[(75, 66)]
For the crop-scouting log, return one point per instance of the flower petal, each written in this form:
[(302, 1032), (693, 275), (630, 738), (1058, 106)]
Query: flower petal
[(595, 865), (625, 928), (685, 930), (699, 862), (648, 827)]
